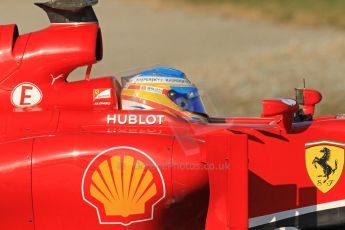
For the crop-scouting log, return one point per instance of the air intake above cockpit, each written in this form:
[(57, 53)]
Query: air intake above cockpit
[(69, 11)]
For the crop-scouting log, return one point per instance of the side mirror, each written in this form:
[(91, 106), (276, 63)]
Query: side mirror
[(279, 106), (282, 110), (308, 98)]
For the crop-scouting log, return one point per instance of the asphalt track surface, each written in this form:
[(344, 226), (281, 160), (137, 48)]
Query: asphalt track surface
[(235, 62)]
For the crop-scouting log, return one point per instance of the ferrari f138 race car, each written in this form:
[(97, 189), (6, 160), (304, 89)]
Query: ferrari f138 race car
[(143, 154)]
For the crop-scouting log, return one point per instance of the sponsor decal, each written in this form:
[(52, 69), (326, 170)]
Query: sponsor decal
[(104, 103), (324, 163), (151, 89), (26, 95), (56, 78), (133, 119), (160, 80), (123, 184), (99, 94)]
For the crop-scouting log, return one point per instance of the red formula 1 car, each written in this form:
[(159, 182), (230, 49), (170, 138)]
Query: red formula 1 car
[(72, 156)]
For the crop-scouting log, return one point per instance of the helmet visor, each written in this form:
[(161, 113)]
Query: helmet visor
[(187, 98)]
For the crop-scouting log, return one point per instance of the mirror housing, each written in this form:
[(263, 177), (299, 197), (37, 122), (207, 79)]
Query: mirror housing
[(279, 106), (308, 98), (282, 110)]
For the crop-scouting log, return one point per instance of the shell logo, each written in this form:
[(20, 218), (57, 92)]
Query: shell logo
[(123, 184)]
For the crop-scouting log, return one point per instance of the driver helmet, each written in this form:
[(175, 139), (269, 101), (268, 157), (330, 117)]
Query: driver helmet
[(163, 89)]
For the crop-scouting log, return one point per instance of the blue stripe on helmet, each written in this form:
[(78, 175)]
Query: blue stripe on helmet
[(163, 72)]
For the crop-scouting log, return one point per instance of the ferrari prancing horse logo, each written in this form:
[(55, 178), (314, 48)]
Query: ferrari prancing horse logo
[(324, 162)]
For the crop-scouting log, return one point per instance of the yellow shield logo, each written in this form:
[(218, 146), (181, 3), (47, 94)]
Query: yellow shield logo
[(324, 162)]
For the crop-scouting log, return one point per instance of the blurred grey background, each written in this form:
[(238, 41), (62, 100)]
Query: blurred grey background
[(235, 60)]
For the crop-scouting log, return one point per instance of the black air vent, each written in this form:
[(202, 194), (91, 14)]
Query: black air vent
[(71, 11)]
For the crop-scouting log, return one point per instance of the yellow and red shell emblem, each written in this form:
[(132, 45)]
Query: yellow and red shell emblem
[(124, 185)]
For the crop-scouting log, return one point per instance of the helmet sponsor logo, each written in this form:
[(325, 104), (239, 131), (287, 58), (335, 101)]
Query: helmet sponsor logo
[(123, 184), (26, 95), (133, 119), (160, 80), (324, 163), (151, 89)]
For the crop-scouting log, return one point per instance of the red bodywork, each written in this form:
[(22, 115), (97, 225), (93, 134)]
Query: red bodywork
[(231, 173)]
